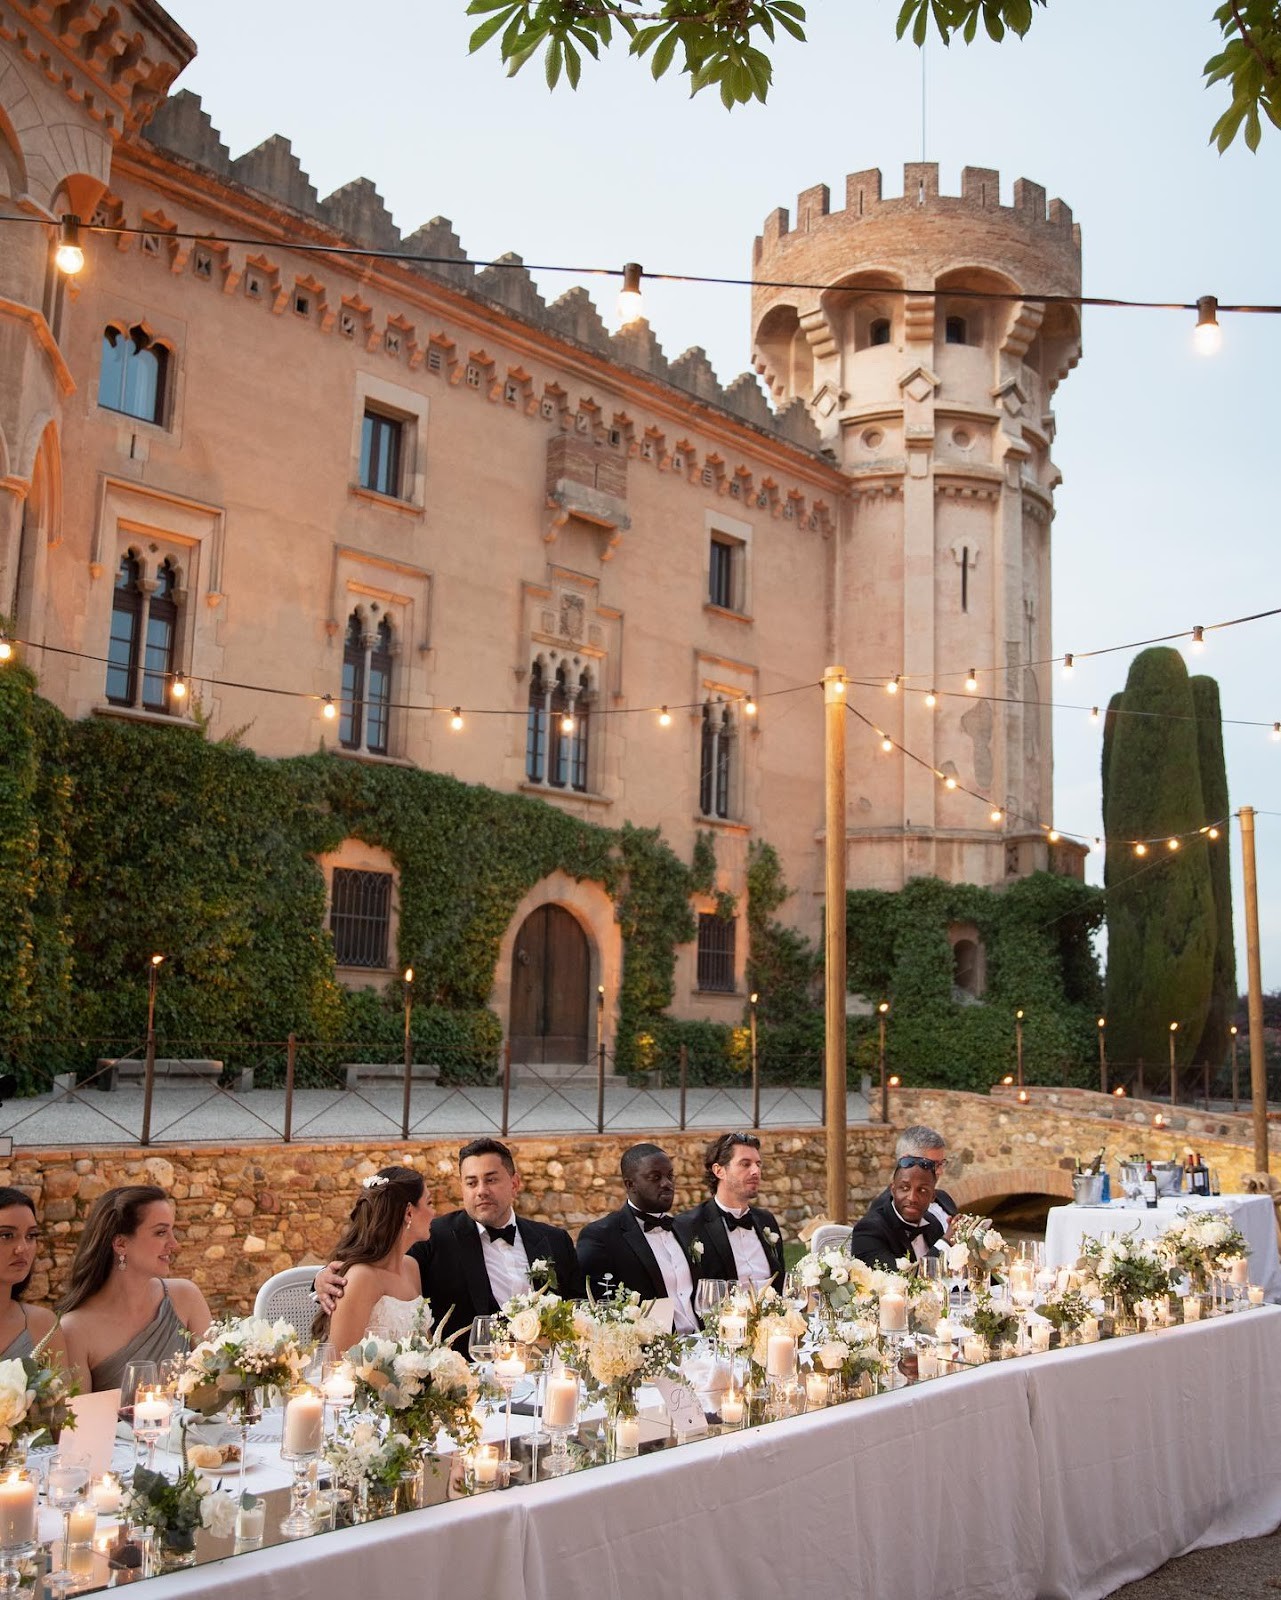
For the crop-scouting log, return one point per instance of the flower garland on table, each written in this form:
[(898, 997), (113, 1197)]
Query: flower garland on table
[(975, 1244), (420, 1384), (1201, 1242), (537, 1317), (235, 1359), (34, 1396), (1127, 1268), (622, 1347)]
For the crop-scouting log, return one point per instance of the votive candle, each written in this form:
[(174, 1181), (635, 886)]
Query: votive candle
[(17, 1511), (1240, 1274), (731, 1407), (106, 1495), (487, 1466), (818, 1389), (927, 1362), (1040, 1336), (251, 1520), (975, 1350), (943, 1335), (1256, 1294), (82, 1523), (509, 1367), (1090, 1330), (733, 1330), (627, 1435), (1192, 1308)]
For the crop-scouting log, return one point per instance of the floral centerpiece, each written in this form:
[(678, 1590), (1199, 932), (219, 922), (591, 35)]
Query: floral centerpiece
[(767, 1315), (621, 1347), (1126, 1268), (369, 1464), (840, 1280), (175, 1508), (1065, 1309), (1200, 1243), (850, 1358), (976, 1247), (994, 1324), (236, 1359), (34, 1391), (419, 1383), (538, 1317)]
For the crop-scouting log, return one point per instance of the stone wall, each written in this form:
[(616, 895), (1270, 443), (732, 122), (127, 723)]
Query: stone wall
[(245, 1211), (999, 1147)]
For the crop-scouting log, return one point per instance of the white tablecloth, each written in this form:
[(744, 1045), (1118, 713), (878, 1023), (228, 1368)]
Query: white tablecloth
[(1046, 1478), (1254, 1214)]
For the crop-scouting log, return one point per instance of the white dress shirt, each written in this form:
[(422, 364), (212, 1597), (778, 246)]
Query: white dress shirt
[(506, 1264), (919, 1247), (750, 1261), (674, 1266)]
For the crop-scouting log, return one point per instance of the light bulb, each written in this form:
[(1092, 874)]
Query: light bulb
[(892, 686), (409, 974), (1140, 849), (179, 686), (456, 719), (949, 783), (69, 257), (972, 680), (1053, 836), (1212, 833), (1207, 336), (887, 744), (1094, 713), (328, 709), (996, 814), (6, 649), (664, 718), (631, 305), (1067, 665), (1172, 844), (156, 960), (839, 686), (749, 707), (1198, 637), (567, 724), (931, 699)]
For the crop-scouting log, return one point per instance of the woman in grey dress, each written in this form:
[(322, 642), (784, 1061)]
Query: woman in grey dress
[(22, 1327), (120, 1305)]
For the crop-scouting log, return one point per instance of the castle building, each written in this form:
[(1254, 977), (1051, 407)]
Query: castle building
[(296, 483)]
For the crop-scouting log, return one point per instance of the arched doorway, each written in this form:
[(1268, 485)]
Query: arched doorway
[(551, 979)]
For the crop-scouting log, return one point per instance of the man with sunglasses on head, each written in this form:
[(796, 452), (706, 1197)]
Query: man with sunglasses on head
[(919, 1140), (899, 1223)]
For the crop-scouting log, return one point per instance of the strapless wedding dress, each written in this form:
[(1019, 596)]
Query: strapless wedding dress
[(393, 1318)]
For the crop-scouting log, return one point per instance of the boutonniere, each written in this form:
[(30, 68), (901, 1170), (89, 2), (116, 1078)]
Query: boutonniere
[(770, 1236), (696, 1249)]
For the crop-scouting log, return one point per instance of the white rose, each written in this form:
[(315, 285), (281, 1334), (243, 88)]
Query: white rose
[(218, 1514), (525, 1327), (840, 1276), (992, 1240), (833, 1354)]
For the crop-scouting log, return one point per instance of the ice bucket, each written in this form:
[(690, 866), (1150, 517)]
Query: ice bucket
[(1169, 1176), (1087, 1188)]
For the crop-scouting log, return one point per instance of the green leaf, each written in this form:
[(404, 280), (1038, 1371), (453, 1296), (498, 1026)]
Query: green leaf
[(1253, 131), (663, 55), (485, 32), (992, 22), (907, 11), (573, 65), (478, 8), (921, 27)]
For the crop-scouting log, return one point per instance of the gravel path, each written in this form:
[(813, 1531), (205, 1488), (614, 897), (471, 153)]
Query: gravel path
[(1248, 1570)]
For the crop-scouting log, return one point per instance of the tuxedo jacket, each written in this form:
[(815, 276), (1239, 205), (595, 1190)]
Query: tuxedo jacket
[(615, 1247), (452, 1265), (881, 1240), (706, 1224)]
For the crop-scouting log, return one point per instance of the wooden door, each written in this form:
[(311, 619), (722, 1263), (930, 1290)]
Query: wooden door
[(551, 977)]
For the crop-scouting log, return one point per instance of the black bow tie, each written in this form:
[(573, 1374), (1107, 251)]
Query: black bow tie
[(495, 1234), (913, 1230), (732, 1222), (650, 1223)]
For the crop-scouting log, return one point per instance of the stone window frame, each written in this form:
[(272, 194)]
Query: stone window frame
[(379, 588), (727, 531), (411, 410), (581, 699), (354, 855)]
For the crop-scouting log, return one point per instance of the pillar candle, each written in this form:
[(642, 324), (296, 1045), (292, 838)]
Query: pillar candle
[(17, 1511), (304, 1425), (733, 1330), (780, 1357), (1240, 1274), (560, 1409), (893, 1313)]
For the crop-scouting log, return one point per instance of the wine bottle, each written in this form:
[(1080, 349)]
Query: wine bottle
[(1200, 1176), (1149, 1188)]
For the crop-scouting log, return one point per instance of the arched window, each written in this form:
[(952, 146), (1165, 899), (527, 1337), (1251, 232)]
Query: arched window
[(378, 721), (126, 615), (133, 374), (955, 331), (367, 661), (716, 760), (162, 630), (556, 728), (353, 683), (878, 331)]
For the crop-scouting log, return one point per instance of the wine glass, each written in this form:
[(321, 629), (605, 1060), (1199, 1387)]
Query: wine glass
[(481, 1339), (322, 1357), (65, 1483), (708, 1294), (137, 1378)]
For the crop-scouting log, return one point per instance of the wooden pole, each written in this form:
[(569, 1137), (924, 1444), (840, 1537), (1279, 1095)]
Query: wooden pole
[(1103, 1056), (291, 1067), (1174, 1069), (756, 1071), (406, 1093), (1258, 1065), (834, 714)]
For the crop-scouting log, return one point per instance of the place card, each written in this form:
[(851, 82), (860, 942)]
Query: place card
[(684, 1408)]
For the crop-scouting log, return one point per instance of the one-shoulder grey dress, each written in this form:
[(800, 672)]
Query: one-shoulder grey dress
[(164, 1336)]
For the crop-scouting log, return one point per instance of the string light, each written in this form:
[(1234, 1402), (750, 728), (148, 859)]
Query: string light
[(178, 688), (749, 707), (631, 304), (1171, 844), (1276, 726), (1140, 849), (6, 648), (1212, 833), (1053, 836), (1198, 637), (328, 709), (69, 257), (892, 686), (887, 744), (567, 723), (664, 718), (932, 699), (949, 782), (456, 719), (1094, 714), (996, 814), (1207, 336), (1067, 665), (971, 681)]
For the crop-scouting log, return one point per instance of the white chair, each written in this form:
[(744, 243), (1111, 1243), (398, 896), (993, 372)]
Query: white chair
[(287, 1294), (828, 1235)]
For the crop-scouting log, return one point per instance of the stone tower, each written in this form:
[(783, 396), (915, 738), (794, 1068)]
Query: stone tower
[(936, 402)]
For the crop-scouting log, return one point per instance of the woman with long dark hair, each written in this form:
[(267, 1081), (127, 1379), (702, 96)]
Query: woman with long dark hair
[(119, 1305), (383, 1283), (22, 1327)]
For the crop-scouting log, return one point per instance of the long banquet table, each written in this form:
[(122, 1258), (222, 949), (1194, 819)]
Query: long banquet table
[(1053, 1477)]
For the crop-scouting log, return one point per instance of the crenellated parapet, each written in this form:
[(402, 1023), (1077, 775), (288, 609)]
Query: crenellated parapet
[(181, 127)]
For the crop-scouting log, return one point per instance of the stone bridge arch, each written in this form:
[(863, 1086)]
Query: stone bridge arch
[(983, 1191)]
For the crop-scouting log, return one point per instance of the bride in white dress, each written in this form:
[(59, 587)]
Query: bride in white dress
[(382, 1292)]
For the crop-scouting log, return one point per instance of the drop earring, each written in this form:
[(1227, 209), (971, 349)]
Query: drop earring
[(121, 1263)]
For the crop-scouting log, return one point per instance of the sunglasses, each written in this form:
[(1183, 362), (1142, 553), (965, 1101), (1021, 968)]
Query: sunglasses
[(916, 1161)]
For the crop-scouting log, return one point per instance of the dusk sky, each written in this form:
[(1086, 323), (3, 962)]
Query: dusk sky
[(1167, 514)]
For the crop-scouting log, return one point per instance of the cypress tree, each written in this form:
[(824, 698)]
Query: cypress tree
[(1161, 909), (1213, 1046)]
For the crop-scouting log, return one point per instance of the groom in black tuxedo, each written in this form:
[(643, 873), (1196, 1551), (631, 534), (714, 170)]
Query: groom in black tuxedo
[(639, 1246), (477, 1258), (899, 1223), (731, 1236)]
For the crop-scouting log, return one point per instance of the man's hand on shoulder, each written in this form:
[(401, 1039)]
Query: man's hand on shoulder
[(328, 1287)]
